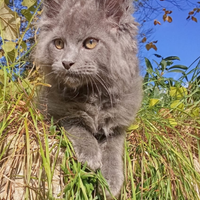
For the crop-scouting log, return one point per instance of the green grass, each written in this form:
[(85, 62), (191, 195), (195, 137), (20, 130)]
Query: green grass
[(161, 156)]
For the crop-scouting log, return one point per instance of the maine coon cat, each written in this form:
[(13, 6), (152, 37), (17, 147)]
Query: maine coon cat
[(87, 50)]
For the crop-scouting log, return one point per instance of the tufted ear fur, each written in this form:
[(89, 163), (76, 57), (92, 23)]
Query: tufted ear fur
[(113, 9), (116, 9), (52, 7)]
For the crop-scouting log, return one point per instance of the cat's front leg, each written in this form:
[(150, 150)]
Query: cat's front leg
[(85, 145), (112, 162)]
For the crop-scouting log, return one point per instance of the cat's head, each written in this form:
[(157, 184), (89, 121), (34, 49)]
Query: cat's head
[(87, 42)]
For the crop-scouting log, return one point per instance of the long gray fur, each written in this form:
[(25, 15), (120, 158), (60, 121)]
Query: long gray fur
[(97, 98)]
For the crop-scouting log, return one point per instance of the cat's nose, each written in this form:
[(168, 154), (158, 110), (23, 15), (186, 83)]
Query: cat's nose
[(67, 64)]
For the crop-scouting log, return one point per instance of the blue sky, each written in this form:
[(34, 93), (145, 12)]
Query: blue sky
[(180, 38)]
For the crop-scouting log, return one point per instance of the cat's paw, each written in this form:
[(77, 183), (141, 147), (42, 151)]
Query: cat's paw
[(92, 158), (115, 182), (115, 188)]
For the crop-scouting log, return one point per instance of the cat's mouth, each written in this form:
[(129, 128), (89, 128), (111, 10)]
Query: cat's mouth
[(74, 80)]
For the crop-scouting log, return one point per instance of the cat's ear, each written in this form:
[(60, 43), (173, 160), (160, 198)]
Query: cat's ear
[(116, 9), (52, 7)]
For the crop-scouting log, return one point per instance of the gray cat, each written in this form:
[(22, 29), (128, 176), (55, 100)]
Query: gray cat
[(87, 50)]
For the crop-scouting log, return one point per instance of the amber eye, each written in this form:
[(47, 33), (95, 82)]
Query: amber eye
[(90, 43), (59, 44)]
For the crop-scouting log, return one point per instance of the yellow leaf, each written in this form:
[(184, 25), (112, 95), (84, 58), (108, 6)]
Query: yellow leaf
[(194, 18), (191, 12), (153, 102), (177, 104), (28, 3), (12, 55), (181, 106), (164, 17), (169, 19), (133, 127), (181, 92), (173, 122), (195, 112), (172, 91), (178, 92), (144, 40), (151, 46), (148, 47), (156, 22), (169, 12), (8, 46), (9, 22), (154, 47)]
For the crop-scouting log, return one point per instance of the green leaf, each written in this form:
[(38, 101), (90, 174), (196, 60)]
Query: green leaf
[(24, 46), (28, 3), (156, 93), (9, 22), (176, 71), (6, 1), (11, 55), (8, 46), (178, 67), (172, 58), (1, 76), (31, 7), (148, 64), (26, 13), (157, 72), (163, 64), (169, 62), (157, 55), (146, 77)]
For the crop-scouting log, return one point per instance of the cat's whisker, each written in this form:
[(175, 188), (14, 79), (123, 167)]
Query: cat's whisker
[(102, 82), (50, 7), (46, 75), (87, 88), (90, 80), (76, 94), (93, 83), (66, 80)]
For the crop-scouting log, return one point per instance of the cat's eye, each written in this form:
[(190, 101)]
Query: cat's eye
[(90, 43), (59, 44)]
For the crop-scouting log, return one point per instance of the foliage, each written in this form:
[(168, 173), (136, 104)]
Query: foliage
[(17, 32), (163, 144), (147, 11), (167, 91)]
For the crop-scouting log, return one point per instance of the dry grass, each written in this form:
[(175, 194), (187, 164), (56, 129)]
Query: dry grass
[(21, 172), (37, 160)]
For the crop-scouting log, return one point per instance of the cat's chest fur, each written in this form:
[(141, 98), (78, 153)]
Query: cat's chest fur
[(96, 111)]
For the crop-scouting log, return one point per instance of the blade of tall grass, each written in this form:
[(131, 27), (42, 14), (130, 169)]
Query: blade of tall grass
[(28, 158), (130, 172)]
